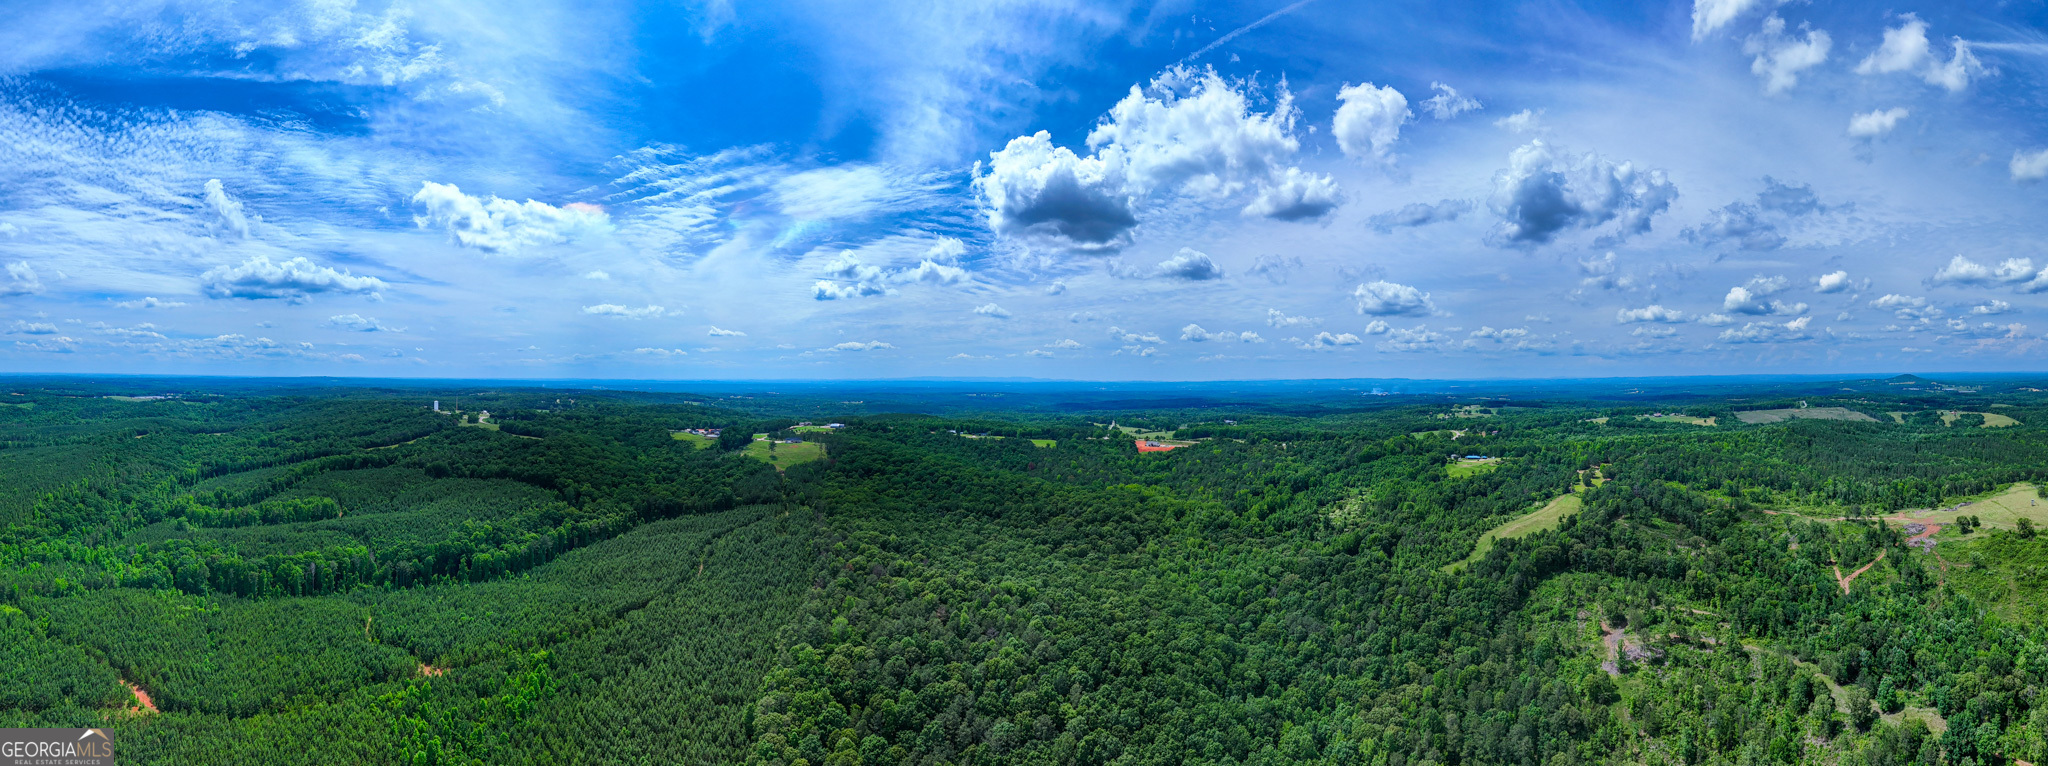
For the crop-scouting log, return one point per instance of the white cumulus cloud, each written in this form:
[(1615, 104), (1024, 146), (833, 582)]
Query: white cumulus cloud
[(1447, 102), (1189, 265), (496, 225), (1833, 282), (292, 280), (1651, 313), (1369, 121), (1544, 192), (1187, 134), (2029, 166), (1963, 271), (1383, 298), (1781, 57), (1906, 49), (1876, 122)]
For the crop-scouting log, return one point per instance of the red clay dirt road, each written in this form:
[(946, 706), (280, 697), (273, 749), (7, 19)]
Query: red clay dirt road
[(1853, 575)]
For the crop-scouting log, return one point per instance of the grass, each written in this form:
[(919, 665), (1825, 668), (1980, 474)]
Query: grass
[(1991, 419), (812, 429), (1678, 419), (2003, 510), (2001, 571), (1468, 411), (1045, 442), (785, 455), (1465, 468), (1547, 517), (1812, 413), (700, 442)]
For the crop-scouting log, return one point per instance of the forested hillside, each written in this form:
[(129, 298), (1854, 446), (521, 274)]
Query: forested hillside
[(349, 576)]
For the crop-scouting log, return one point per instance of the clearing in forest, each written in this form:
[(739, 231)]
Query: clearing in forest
[(2005, 509), (1680, 419), (141, 697), (1991, 419), (1547, 517), (1466, 467), (1045, 442), (1811, 413), (700, 442), (782, 456)]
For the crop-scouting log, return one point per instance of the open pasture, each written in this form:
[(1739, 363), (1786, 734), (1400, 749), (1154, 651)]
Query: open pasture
[(1810, 413)]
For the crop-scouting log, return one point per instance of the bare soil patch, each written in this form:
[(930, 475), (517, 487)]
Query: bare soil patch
[(141, 697)]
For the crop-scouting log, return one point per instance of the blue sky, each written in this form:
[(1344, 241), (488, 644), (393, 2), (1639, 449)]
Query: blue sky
[(1022, 189)]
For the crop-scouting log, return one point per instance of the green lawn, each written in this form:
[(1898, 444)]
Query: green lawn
[(1044, 442), (700, 442), (1467, 468), (785, 455), (812, 429), (1547, 517)]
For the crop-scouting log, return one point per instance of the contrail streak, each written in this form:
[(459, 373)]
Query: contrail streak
[(1246, 28)]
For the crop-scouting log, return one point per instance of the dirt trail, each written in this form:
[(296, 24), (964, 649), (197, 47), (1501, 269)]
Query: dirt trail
[(1931, 529), (141, 697), (1858, 573), (1612, 638)]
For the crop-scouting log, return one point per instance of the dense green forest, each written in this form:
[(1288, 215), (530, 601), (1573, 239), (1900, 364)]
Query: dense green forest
[(265, 574)]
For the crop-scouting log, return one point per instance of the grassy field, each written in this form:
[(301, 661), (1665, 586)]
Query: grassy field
[(1044, 442), (785, 455), (1991, 419), (812, 429), (1465, 468), (1468, 411), (1544, 518), (1814, 413), (2003, 571), (1678, 419), (700, 442), (2003, 510)]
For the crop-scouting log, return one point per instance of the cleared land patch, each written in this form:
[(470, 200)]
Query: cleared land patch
[(1547, 517), (1991, 419), (1811, 413), (700, 442), (1679, 419), (1045, 442), (1464, 467), (2005, 509), (782, 456)]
